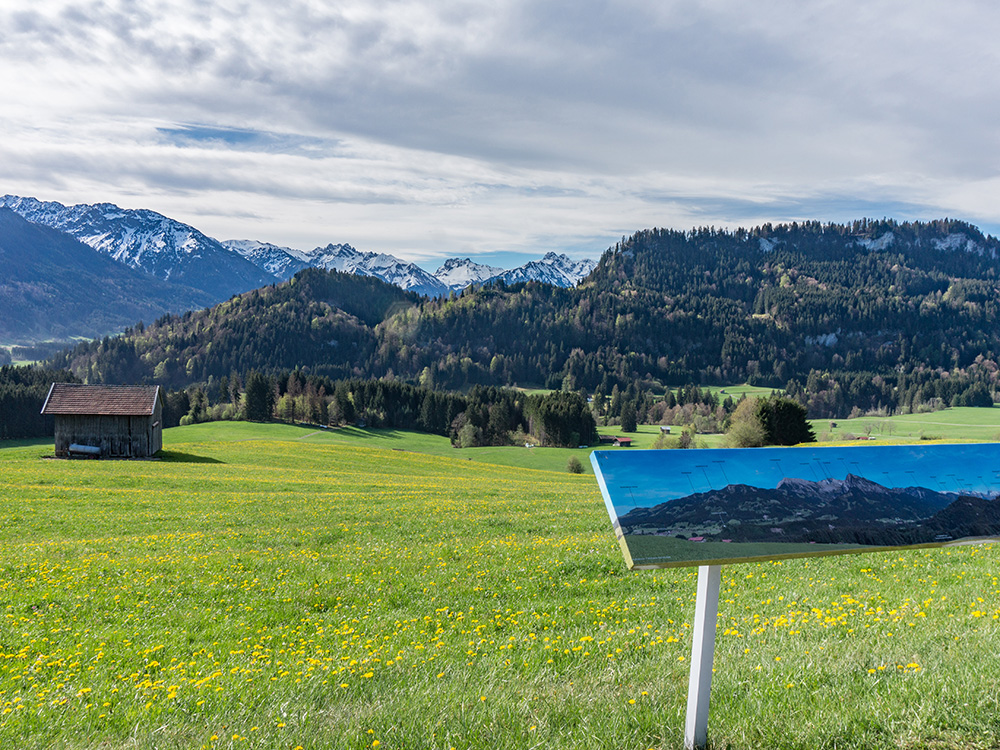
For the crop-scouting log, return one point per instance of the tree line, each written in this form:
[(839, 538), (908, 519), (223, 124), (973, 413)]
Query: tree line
[(486, 415), (22, 394)]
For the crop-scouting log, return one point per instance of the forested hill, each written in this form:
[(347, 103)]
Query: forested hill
[(323, 321), (853, 255), (819, 304), (765, 305)]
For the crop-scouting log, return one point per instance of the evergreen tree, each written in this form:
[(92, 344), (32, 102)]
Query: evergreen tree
[(628, 423), (259, 397), (615, 409), (785, 421)]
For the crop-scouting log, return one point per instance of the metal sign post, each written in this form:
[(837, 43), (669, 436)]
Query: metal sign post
[(702, 655)]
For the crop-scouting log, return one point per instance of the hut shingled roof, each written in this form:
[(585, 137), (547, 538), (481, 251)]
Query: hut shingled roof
[(103, 400)]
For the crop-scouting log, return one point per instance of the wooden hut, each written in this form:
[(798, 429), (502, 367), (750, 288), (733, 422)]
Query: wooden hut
[(107, 421)]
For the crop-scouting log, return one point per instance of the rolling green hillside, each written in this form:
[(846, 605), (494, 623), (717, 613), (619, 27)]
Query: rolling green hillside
[(322, 321), (541, 458), (955, 424)]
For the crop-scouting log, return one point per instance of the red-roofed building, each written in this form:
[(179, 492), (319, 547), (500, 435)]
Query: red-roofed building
[(109, 421), (623, 442)]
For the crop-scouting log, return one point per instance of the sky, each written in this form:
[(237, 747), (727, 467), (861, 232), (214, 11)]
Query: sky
[(502, 129)]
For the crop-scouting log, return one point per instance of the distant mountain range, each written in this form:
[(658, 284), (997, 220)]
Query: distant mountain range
[(53, 286), (454, 275), (177, 253), (147, 241), (853, 510), (858, 316)]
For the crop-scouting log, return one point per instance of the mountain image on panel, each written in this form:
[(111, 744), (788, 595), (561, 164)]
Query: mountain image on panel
[(853, 510)]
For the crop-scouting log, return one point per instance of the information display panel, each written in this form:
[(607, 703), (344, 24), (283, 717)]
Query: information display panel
[(672, 508)]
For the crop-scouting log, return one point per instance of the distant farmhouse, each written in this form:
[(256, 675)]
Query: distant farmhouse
[(618, 442), (106, 421)]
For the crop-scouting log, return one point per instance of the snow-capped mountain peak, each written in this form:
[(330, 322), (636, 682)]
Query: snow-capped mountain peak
[(174, 251), (389, 268), (553, 268), (282, 262), (454, 275), (148, 241), (341, 257), (458, 273)]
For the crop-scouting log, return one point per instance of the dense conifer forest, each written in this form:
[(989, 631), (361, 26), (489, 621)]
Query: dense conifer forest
[(846, 319), (22, 393)]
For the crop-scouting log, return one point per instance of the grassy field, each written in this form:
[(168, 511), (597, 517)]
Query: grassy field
[(546, 459), (737, 391), (543, 459), (265, 586), (953, 424)]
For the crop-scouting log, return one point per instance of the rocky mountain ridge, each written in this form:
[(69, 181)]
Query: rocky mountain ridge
[(454, 275), (54, 286), (179, 253), (147, 241)]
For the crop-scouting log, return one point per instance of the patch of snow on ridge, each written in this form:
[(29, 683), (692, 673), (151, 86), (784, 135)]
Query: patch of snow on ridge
[(881, 243), (826, 339), (957, 242)]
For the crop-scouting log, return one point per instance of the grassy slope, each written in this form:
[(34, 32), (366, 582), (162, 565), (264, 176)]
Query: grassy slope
[(270, 588), (737, 391), (953, 424), (545, 459), (548, 459)]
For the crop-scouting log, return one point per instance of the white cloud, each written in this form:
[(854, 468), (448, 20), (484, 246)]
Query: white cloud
[(465, 127)]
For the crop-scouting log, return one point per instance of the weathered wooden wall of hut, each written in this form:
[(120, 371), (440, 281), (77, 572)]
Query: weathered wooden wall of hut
[(154, 424), (116, 436)]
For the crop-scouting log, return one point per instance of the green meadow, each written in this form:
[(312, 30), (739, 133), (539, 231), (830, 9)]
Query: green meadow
[(546, 459), (954, 424), (738, 391), (549, 459), (269, 586)]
